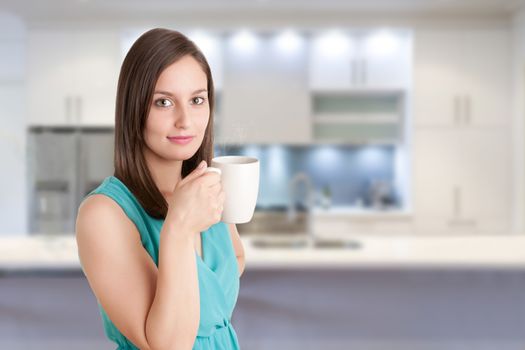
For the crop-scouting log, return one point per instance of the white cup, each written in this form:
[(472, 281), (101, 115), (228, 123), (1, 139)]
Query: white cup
[(240, 183)]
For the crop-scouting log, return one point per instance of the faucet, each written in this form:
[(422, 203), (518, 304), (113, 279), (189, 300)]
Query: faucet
[(292, 214)]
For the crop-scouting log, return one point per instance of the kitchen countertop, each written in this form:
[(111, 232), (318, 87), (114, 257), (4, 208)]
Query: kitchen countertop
[(353, 212), (59, 252)]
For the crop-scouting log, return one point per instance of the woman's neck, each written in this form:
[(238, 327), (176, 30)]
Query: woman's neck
[(166, 174)]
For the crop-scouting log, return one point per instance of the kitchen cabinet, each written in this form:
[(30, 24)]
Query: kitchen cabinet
[(356, 117), (72, 77), (461, 77), (461, 180), (358, 84), (212, 48), (360, 60), (265, 98)]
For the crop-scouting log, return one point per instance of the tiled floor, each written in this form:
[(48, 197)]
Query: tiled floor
[(328, 310)]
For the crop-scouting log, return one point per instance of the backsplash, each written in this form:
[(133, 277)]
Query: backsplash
[(65, 164), (348, 171)]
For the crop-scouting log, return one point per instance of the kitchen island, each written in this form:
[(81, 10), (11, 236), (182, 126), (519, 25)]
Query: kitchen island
[(59, 252), (380, 293)]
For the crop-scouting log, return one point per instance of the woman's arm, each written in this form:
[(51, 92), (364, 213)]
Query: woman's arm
[(237, 246), (174, 316), (155, 308)]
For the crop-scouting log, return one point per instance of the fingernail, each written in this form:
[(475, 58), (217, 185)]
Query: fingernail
[(202, 164)]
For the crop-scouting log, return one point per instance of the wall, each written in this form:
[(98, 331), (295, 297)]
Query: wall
[(13, 218), (518, 76)]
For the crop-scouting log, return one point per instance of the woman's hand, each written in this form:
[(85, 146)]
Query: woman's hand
[(197, 201)]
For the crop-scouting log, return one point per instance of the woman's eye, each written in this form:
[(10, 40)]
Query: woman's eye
[(163, 102), (198, 100)]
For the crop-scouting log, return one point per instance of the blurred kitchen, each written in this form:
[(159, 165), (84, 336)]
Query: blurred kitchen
[(391, 136)]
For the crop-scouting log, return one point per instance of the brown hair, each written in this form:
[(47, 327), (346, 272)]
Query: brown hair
[(153, 51)]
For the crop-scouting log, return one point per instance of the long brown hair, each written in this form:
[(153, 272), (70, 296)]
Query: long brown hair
[(151, 53)]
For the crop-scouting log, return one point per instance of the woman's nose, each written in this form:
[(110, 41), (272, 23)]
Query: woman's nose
[(182, 118)]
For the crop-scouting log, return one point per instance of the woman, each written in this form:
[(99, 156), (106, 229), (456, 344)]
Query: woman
[(164, 269)]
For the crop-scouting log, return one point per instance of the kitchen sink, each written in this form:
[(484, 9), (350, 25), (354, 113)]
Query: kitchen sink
[(266, 242), (272, 229), (282, 243), (275, 221), (337, 244)]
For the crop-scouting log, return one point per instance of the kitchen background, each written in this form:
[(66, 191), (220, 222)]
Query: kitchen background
[(390, 135)]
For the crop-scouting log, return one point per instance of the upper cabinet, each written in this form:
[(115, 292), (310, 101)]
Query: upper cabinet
[(462, 78), (265, 99), (360, 60), (359, 83), (211, 46), (72, 77)]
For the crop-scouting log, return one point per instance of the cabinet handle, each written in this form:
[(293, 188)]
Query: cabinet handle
[(459, 202), (68, 108), (364, 68), (467, 109), (354, 71), (456, 202), (456, 110), (79, 110)]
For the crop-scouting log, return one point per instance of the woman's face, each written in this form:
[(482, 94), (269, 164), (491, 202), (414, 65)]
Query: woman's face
[(179, 108)]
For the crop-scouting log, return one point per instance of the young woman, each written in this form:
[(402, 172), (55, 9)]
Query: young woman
[(164, 269)]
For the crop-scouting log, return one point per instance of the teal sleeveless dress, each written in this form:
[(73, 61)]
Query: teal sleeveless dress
[(218, 273)]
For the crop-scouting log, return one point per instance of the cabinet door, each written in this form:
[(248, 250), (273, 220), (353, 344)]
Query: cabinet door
[(334, 62), (212, 48), (437, 77), (486, 65), (386, 63), (50, 77), (265, 99), (485, 177), (96, 77), (437, 162)]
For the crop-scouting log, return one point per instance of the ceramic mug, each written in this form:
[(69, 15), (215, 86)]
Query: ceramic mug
[(240, 183)]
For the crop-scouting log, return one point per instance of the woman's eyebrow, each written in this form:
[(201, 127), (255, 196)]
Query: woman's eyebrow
[(170, 94)]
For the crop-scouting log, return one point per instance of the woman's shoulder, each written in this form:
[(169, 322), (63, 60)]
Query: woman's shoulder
[(99, 207), (102, 220), (113, 191), (113, 202), (110, 200)]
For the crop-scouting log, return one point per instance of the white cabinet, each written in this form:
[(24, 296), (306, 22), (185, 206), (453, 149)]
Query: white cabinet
[(462, 151), (72, 77), (370, 60), (96, 77), (50, 78), (211, 46), (461, 180), (387, 59), (485, 178), (265, 99), (461, 77), (333, 61)]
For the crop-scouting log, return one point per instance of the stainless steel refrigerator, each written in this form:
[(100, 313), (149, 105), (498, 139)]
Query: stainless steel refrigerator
[(65, 164)]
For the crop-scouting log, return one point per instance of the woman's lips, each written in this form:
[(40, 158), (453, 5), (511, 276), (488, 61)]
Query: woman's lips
[(181, 140)]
